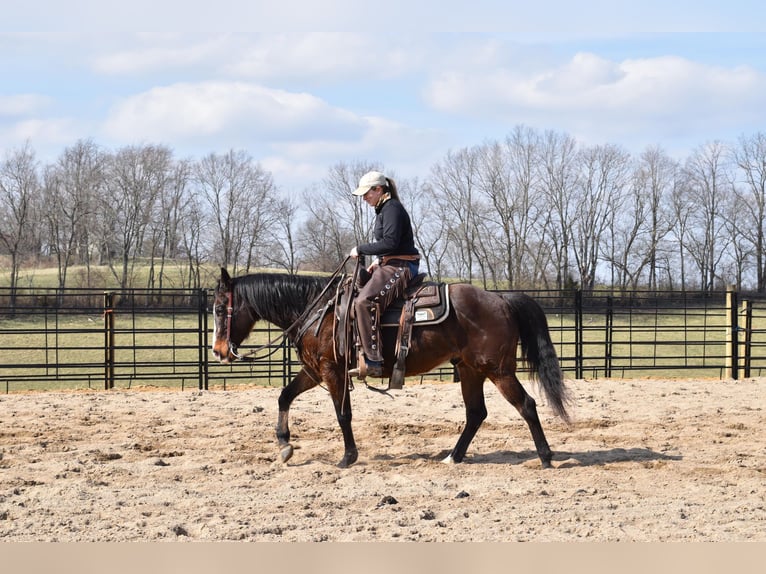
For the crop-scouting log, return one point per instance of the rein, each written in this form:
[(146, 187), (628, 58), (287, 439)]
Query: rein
[(280, 338)]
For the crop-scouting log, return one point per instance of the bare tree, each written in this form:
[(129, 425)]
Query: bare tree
[(454, 182), (559, 177), (509, 180), (282, 250), (70, 193), (750, 157), (707, 181), (600, 193), (19, 190), (136, 179), (191, 236), (241, 198), (640, 228), (428, 220), (165, 227)]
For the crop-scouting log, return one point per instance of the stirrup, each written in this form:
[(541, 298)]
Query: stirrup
[(374, 370)]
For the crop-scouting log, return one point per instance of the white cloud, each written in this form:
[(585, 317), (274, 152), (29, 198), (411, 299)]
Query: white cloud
[(47, 136), (611, 99), (160, 52), (317, 57), (363, 58), (22, 104), (219, 109)]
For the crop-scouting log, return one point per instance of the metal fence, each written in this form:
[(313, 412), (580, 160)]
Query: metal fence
[(79, 338)]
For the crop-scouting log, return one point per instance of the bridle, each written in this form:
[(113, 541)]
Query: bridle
[(272, 344)]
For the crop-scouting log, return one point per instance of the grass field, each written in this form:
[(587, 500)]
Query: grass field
[(49, 350), (68, 351)]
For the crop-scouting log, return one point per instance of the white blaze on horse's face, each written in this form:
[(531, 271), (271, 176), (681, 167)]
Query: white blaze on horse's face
[(217, 331)]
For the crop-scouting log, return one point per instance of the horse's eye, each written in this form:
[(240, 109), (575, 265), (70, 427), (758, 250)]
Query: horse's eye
[(220, 309)]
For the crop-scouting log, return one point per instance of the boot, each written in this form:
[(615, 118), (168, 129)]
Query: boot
[(367, 368)]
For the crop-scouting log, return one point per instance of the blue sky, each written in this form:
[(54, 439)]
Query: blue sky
[(302, 85)]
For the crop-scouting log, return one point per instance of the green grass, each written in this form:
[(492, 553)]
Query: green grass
[(644, 343), (165, 349), (663, 344), (154, 350), (101, 277)]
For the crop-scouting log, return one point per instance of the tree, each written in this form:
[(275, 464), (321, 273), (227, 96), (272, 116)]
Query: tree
[(558, 166), (428, 225), (191, 237), (750, 157), (455, 183), (640, 228), (239, 195), (165, 228), (600, 194), (70, 194), (510, 181), (19, 190), (137, 176), (707, 181), (283, 250)]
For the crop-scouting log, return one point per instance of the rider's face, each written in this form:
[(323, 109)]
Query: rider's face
[(373, 195)]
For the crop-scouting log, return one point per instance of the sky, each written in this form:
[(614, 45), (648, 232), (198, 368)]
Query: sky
[(302, 85)]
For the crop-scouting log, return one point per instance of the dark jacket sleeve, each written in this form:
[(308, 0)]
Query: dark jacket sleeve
[(393, 223)]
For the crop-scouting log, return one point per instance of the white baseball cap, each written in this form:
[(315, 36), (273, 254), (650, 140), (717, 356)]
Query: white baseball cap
[(370, 179)]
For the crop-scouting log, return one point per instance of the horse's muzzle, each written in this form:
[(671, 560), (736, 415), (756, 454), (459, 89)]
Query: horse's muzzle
[(223, 353)]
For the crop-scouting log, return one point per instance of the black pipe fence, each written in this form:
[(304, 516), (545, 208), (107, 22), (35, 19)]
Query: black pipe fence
[(83, 338)]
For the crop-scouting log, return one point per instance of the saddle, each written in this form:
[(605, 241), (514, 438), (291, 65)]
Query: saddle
[(423, 303)]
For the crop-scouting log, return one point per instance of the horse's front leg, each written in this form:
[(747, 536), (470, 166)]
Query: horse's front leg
[(300, 383), (341, 398)]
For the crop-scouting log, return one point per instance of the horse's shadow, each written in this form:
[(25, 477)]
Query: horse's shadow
[(561, 458)]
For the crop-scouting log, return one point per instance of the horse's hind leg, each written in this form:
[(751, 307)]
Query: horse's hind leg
[(300, 383), (514, 393), (472, 387)]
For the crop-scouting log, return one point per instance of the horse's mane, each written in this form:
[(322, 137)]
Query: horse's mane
[(280, 298)]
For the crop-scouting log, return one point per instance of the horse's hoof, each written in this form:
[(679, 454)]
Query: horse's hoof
[(286, 453), (448, 460), (547, 464), (348, 460)]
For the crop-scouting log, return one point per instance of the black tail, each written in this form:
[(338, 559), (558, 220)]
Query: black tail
[(538, 351)]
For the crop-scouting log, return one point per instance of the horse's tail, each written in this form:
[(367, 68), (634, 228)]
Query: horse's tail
[(538, 352)]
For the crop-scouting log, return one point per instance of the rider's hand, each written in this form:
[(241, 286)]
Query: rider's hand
[(353, 253)]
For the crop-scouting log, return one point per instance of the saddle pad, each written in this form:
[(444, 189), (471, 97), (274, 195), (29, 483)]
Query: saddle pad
[(431, 306)]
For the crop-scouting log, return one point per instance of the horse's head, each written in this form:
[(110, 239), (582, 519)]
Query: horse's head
[(231, 321)]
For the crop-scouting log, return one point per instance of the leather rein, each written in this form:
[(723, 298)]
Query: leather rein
[(272, 344)]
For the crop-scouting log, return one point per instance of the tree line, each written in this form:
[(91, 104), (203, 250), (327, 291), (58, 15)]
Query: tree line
[(536, 209)]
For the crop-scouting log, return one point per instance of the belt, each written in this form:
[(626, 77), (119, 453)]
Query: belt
[(386, 259)]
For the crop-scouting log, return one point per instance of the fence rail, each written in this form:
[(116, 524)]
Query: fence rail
[(78, 338)]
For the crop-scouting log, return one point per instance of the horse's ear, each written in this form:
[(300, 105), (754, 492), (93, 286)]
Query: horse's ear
[(225, 278)]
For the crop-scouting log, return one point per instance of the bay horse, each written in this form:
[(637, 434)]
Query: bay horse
[(479, 337)]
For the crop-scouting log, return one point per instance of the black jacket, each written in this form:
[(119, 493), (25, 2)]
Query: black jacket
[(393, 232)]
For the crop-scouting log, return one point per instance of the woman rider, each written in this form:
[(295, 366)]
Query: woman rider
[(396, 264)]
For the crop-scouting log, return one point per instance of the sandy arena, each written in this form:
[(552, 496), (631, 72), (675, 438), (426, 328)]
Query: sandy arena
[(644, 460)]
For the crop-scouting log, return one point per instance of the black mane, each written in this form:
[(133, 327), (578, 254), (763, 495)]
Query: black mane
[(280, 298)]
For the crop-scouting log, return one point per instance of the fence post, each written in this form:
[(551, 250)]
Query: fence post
[(578, 335), (732, 334), (204, 372), (608, 337), (108, 340), (747, 311)]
